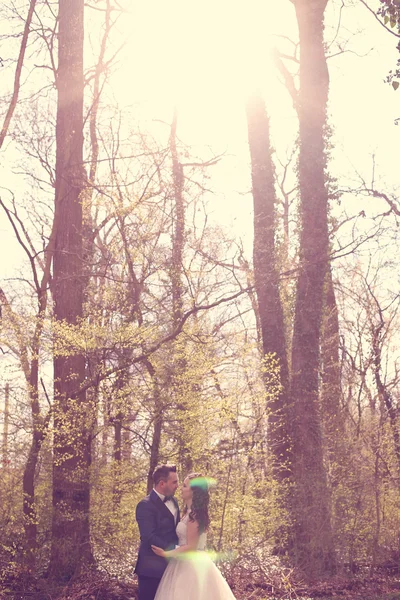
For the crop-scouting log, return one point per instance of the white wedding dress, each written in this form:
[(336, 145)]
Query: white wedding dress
[(192, 575)]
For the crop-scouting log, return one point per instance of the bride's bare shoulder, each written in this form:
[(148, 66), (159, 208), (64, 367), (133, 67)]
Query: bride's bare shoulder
[(193, 525)]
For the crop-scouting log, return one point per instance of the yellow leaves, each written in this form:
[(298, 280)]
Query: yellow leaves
[(270, 370), (93, 336)]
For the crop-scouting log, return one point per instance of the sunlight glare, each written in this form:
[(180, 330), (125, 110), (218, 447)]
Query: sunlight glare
[(206, 56)]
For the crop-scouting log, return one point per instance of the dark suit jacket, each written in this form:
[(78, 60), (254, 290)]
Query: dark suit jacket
[(157, 527)]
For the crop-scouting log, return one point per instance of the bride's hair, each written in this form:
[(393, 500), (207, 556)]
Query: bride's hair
[(201, 498)]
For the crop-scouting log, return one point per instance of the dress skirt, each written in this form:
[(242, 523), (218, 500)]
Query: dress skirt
[(193, 576)]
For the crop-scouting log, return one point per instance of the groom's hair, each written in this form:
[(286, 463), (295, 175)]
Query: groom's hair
[(162, 472)]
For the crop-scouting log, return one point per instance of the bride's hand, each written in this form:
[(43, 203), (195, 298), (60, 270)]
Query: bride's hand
[(159, 551)]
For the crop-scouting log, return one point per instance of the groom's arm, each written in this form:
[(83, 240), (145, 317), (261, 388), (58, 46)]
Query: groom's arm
[(148, 525)]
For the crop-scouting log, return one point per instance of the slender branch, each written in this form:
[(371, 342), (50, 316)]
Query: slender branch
[(288, 77), (378, 19), (145, 355), (18, 71), (21, 242), (45, 391), (392, 204)]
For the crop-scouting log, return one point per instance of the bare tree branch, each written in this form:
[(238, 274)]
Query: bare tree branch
[(145, 355), (378, 19), (18, 70)]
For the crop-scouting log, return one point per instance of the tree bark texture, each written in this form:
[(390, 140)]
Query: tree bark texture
[(157, 425), (71, 549), (266, 275), (386, 401), (40, 423), (4, 447), (331, 412), (179, 225), (39, 431), (176, 272), (313, 534)]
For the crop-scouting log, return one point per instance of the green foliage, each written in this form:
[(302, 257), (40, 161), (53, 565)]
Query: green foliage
[(11, 530), (365, 508), (114, 532), (390, 12), (205, 387)]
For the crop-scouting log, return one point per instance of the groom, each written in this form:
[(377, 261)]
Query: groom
[(157, 516)]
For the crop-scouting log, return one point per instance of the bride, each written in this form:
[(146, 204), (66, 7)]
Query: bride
[(190, 572)]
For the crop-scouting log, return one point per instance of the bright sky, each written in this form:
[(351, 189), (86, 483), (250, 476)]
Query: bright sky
[(206, 57)]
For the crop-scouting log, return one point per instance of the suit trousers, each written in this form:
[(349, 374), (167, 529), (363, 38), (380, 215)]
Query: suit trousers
[(148, 587)]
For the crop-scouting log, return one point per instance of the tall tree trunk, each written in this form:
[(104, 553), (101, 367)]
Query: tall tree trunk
[(105, 429), (88, 226), (179, 225), (332, 417), (178, 243), (4, 447), (313, 535), (117, 459), (70, 548), (331, 413), (120, 418), (157, 425), (28, 485), (155, 447), (266, 276), (39, 432), (386, 401), (40, 423)]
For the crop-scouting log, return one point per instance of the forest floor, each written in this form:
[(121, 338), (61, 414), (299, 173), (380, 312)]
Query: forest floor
[(245, 584)]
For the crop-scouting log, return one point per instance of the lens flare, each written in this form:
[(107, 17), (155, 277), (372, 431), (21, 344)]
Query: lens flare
[(205, 483), (203, 557)]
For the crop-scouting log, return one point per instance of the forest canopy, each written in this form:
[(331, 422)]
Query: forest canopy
[(200, 222)]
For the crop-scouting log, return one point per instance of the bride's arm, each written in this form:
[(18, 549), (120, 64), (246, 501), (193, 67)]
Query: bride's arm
[(192, 542)]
